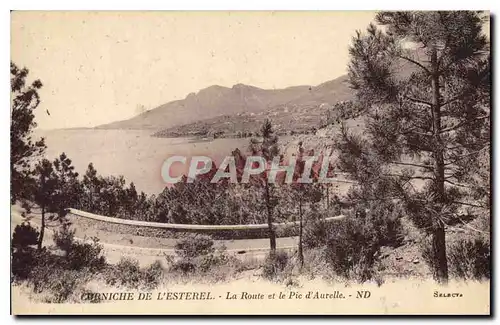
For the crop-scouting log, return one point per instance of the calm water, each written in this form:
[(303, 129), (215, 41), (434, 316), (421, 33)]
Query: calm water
[(131, 153)]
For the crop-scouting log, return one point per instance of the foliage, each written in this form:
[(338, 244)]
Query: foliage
[(351, 248), (353, 243), (86, 255), (129, 274), (424, 89), (55, 189), (316, 230), (274, 264), (194, 245), (23, 149), (198, 254), (469, 257), (23, 256), (58, 284), (24, 235)]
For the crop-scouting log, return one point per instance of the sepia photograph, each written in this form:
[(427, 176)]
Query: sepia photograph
[(250, 162)]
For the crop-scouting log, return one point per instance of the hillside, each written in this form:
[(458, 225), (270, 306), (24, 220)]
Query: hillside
[(240, 108), (303, 114)]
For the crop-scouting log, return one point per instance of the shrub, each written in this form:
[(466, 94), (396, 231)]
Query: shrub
[(79, 255), (194, 245), (315, 233), (62, 285), (22, 263), (198, 254), (209, 261), (58, 284), (152, 275), (274, 264), (129, 274), (183, 266), (24, 235), (350, 249), (86, 255), (352, 243), (468, 257), (23, 257), (64, 238)]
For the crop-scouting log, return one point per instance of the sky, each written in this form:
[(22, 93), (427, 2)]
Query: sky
[(100, 67)]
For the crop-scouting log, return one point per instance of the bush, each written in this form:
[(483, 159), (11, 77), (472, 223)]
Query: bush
[(24, 235), (315, 233), (274, 264), (183, 266), (209, 261), (86, 255), (23, 257), (351, 248), (22, 263), (353, 243), (57, 283), (468, 258), (79, 255), (126, 273), (152, 275), (194, 245), (64, 238), (129, 274), (63, 284), (198, 254)]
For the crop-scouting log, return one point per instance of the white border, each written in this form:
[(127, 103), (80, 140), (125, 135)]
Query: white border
[(491, 5)]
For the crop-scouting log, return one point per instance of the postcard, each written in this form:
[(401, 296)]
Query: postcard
[(250, 162)]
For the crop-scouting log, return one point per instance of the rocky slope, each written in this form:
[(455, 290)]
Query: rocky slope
[(241, 108)]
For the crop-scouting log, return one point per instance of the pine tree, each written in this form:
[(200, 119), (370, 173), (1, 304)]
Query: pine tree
[(68, 189), (304, 195), (423, 83), (268, 149), (24, 100), (56, 188), (44, 192)]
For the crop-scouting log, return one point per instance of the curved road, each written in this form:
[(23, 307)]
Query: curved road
[(245, 249)]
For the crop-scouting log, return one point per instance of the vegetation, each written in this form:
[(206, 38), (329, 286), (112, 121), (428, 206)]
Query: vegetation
[(423, 156), (23, 148), (428, 126)]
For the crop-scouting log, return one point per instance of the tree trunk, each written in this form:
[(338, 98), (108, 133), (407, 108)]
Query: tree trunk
[(42, 230), (301, 252), (439, 252), (438, 236), (272, 235)]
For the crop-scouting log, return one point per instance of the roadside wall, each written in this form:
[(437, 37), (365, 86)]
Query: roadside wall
[(169, 230)]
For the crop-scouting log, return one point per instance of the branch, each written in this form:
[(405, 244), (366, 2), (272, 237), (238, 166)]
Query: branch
[(459, 125), (469, 204), (465, 93), (415, 165), (415, 62), (420, 133), (470, 227), (457, 158), (456, 184), (411, 177), (420, 101)]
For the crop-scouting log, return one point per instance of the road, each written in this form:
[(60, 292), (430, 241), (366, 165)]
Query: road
[(114, 249)]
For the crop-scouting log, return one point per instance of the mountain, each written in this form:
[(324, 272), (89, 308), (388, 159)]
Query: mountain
[(217, 104)]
